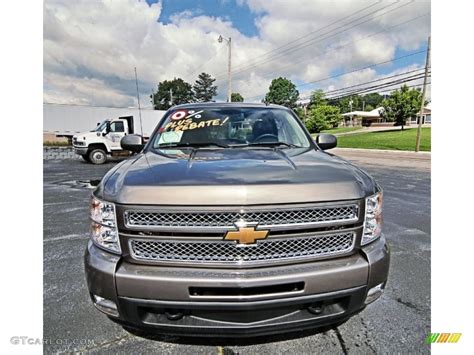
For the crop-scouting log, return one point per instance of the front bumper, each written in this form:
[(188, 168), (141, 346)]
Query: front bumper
[(162, 298), (81, 150)]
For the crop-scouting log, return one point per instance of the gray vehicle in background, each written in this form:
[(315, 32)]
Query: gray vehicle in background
[(232, 221)]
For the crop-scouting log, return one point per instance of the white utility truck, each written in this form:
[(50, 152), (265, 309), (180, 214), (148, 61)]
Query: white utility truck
[(104, 140)]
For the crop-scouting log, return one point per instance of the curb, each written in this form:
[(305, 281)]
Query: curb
[(385, 151)]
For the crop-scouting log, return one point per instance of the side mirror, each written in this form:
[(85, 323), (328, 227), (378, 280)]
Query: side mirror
[(326, 141), (132, 142), (107, 129)]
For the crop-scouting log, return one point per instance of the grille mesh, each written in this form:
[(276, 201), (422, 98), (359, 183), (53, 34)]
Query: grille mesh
[(230, 252), (227, 219)]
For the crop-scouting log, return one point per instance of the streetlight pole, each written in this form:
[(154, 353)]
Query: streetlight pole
[(229, 66)]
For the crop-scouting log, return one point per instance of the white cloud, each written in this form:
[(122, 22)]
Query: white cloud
[(66, 89), (91, 48)]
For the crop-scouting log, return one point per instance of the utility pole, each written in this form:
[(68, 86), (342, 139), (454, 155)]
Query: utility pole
[(351, 117), (171, 97), (422, 109), (229, 66), (229, 72), (138, 99)]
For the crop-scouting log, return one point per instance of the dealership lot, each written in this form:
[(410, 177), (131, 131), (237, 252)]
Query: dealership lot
[(399, 322)]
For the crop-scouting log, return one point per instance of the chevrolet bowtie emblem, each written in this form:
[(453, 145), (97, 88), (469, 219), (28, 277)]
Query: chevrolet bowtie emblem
[(246, 235)]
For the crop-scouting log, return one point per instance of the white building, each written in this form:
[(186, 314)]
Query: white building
[(364, 118), (425, 115)]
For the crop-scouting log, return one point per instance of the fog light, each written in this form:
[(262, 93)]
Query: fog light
[(374, 293), (107, 306)]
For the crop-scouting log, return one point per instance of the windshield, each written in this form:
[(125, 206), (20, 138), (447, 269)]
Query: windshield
[(230, 127), (100, 127)]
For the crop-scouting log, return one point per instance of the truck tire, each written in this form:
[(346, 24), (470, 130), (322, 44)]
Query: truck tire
[(86, 158), (97, 156)]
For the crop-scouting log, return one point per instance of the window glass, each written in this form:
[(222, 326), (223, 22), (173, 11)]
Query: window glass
[(117, 126), (230, 126)]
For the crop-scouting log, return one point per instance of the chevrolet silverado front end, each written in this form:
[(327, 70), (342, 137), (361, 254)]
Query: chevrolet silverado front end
[(231, 221)]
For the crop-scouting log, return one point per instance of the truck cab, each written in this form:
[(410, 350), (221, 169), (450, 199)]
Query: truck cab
[(104, 140)]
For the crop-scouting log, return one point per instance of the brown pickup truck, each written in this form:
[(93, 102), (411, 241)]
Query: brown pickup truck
[(232, 221)]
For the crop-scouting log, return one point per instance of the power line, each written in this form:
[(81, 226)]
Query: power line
[(348, 88), (328, 35), (408, 86), (372, 87), (375, 80), (311, 33), (351, 42), (352, 71), (376, 87), (413, 86), (297, 47), (197, 69)]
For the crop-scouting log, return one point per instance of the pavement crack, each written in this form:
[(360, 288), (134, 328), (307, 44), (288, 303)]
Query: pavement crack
[(409, 304), (368, 339), (66, 237), (341, 341)]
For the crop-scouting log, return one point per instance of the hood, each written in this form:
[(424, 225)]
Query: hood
[(86, 135), (240, 176)]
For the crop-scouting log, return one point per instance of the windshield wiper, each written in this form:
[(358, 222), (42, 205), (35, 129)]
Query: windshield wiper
[(191, 145), (268, 144)]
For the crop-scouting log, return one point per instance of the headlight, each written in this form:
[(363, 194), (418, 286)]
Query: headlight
[(373, 218), (104, 225)]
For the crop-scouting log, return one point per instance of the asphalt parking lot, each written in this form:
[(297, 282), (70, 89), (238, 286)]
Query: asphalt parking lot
[(397, 323)]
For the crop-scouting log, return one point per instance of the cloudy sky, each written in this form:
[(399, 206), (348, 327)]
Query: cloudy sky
[(91, 47)]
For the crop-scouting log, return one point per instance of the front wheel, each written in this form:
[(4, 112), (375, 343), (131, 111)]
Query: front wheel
[(97, 156), (86, 158)]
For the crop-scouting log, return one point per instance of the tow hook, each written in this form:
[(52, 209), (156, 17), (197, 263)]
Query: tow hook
[(316, 308), (174, 315)]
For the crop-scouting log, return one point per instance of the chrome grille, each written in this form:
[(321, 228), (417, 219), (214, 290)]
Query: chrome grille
[(320, 215), (229, 252)]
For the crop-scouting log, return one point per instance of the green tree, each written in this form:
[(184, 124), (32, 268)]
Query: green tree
[(282, 92), (180, 90), (373, 100), (317, 98), (344, 103), (369, 107), (203, 88), (323, 117), (236, 97), (403, 104), (300, 112)]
